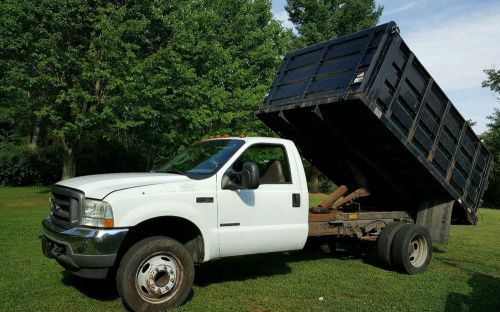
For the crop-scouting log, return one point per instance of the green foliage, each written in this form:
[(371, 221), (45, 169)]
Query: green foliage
[(492, 140), (108, 156), (319, 20), (471, 122), (151, 76), (228, 52), (325, 185), (21, 166), (493, 81)]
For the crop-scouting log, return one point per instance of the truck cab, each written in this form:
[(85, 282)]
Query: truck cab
[(217, 198)]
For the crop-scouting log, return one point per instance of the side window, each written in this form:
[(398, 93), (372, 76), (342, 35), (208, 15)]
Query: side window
[(271, 160)]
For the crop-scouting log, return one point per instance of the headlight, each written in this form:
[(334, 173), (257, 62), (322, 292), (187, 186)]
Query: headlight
[(97, 213)]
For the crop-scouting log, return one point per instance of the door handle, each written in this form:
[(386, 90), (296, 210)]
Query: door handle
[(295, 200)]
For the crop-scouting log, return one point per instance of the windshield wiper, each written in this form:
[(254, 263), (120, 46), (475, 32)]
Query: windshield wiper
[(175, 171)]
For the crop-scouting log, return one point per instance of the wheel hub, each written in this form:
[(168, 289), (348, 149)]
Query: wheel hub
[(156, 277), (161, 278), (417, 251)]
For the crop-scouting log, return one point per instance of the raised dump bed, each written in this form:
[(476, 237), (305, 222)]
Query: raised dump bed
[(365, 111)]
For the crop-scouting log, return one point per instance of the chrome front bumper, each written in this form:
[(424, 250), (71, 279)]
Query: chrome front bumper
[(86, 252)]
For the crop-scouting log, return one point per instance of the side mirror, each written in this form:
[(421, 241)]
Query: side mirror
[(248, 178), (229, 180)]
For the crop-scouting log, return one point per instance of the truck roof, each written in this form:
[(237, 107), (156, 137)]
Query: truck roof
[(255, 139)]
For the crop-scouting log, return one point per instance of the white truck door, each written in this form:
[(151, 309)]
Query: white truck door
[(268, 218)]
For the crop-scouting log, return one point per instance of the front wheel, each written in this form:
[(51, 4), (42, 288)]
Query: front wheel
[(412, 249), (155, 274)]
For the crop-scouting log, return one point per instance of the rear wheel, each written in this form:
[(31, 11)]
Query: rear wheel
[(384, 243), (156, 274), (412, 249)]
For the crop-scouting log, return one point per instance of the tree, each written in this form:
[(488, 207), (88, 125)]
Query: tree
[(49, 45), (16, 121), (471, 122), (319, 20), (230, 51), (492, 140), (212, 74), (493, 81), (152, 76)]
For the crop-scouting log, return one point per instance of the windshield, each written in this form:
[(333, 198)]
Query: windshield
[(202, 159)]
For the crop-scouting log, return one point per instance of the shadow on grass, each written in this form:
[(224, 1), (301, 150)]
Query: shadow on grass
[(239, 268), (243, 268), (104, 290), (436, 249), (483, 297), (484, 293)]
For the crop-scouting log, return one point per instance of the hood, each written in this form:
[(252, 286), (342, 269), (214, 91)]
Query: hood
[(100, 185)]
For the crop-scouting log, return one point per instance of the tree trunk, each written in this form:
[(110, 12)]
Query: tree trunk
[(314, 181), (69, 164), (33, 139)]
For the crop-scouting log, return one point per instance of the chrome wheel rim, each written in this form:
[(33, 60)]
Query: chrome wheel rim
[(417, 251), (158, 277)]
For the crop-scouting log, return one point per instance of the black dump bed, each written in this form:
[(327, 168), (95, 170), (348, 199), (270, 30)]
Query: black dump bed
[(364, 111)]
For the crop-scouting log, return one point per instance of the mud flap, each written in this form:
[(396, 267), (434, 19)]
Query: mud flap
[(435, 216)]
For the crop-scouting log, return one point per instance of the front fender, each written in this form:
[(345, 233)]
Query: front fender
[(132, 207)]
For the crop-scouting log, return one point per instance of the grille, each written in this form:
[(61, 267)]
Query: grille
[(65, 206)]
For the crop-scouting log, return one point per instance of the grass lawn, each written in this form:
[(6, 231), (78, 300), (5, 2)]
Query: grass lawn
[(464, 275)]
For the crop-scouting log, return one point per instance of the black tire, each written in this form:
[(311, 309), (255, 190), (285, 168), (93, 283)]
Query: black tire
[(412, 259), (384, 243), (152, 266)]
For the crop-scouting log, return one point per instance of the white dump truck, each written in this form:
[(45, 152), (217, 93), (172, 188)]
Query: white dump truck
[(361, 108)]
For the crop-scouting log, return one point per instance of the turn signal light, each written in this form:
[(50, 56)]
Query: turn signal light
[(108, 223)]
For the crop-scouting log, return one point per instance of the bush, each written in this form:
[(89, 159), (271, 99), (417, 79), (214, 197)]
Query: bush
[(112, 156), (325, 185), (20, 166)]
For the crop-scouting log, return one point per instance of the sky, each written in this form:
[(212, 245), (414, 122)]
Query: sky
[(454, 39)]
